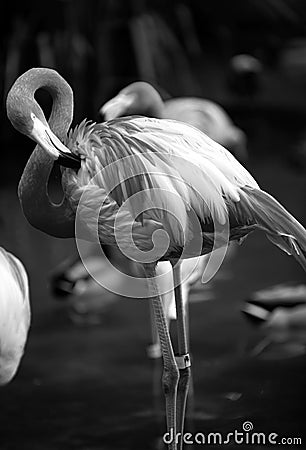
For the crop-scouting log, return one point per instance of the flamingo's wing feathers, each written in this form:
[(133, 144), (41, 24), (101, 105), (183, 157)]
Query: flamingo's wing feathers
[(174, 166), (281, 228), (188, 157)]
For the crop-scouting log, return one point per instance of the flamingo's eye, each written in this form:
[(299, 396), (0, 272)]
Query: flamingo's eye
[(33, 117)]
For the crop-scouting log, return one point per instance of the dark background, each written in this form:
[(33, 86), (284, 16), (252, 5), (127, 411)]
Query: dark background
[(89, 387), (185, 48)]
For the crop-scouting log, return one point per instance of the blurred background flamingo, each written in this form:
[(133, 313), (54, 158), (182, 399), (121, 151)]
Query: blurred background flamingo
[(141, 98), (87, 302)]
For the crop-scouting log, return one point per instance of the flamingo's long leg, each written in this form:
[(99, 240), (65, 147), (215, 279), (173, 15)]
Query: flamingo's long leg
[(154, 354), (190, 396), (183, 358), (170, 373)]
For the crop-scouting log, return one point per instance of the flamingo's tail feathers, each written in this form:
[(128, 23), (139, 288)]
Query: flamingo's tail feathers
[(281, 227)]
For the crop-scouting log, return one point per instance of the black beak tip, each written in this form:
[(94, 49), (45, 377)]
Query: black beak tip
[(69, 161)]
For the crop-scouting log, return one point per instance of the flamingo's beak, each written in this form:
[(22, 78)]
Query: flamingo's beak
[(43, 135), (117, 106)]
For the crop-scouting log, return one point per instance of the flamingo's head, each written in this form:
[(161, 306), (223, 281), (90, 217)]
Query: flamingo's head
[(28, 118), (136, 98)]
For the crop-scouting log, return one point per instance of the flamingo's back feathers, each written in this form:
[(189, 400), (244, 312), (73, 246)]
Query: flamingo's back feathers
[(281, 228), (143, 154), (173, 151)]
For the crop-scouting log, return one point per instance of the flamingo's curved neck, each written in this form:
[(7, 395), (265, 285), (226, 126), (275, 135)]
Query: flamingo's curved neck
[(154, 107), (54, 219)]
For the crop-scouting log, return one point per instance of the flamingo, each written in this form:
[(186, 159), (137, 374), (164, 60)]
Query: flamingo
[(210, 196), (142, 98), (15, 315)]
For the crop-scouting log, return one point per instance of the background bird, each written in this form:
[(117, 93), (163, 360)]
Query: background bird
[(209, 117), (71, 281), (15, 315), (135, 155), (259, 306), (278, 316), (87, 300)]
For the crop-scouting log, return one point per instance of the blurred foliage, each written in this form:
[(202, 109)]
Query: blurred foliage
[(95, 45), (100, 46)]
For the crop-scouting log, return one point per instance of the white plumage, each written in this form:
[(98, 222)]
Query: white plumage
[(15, 314)]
